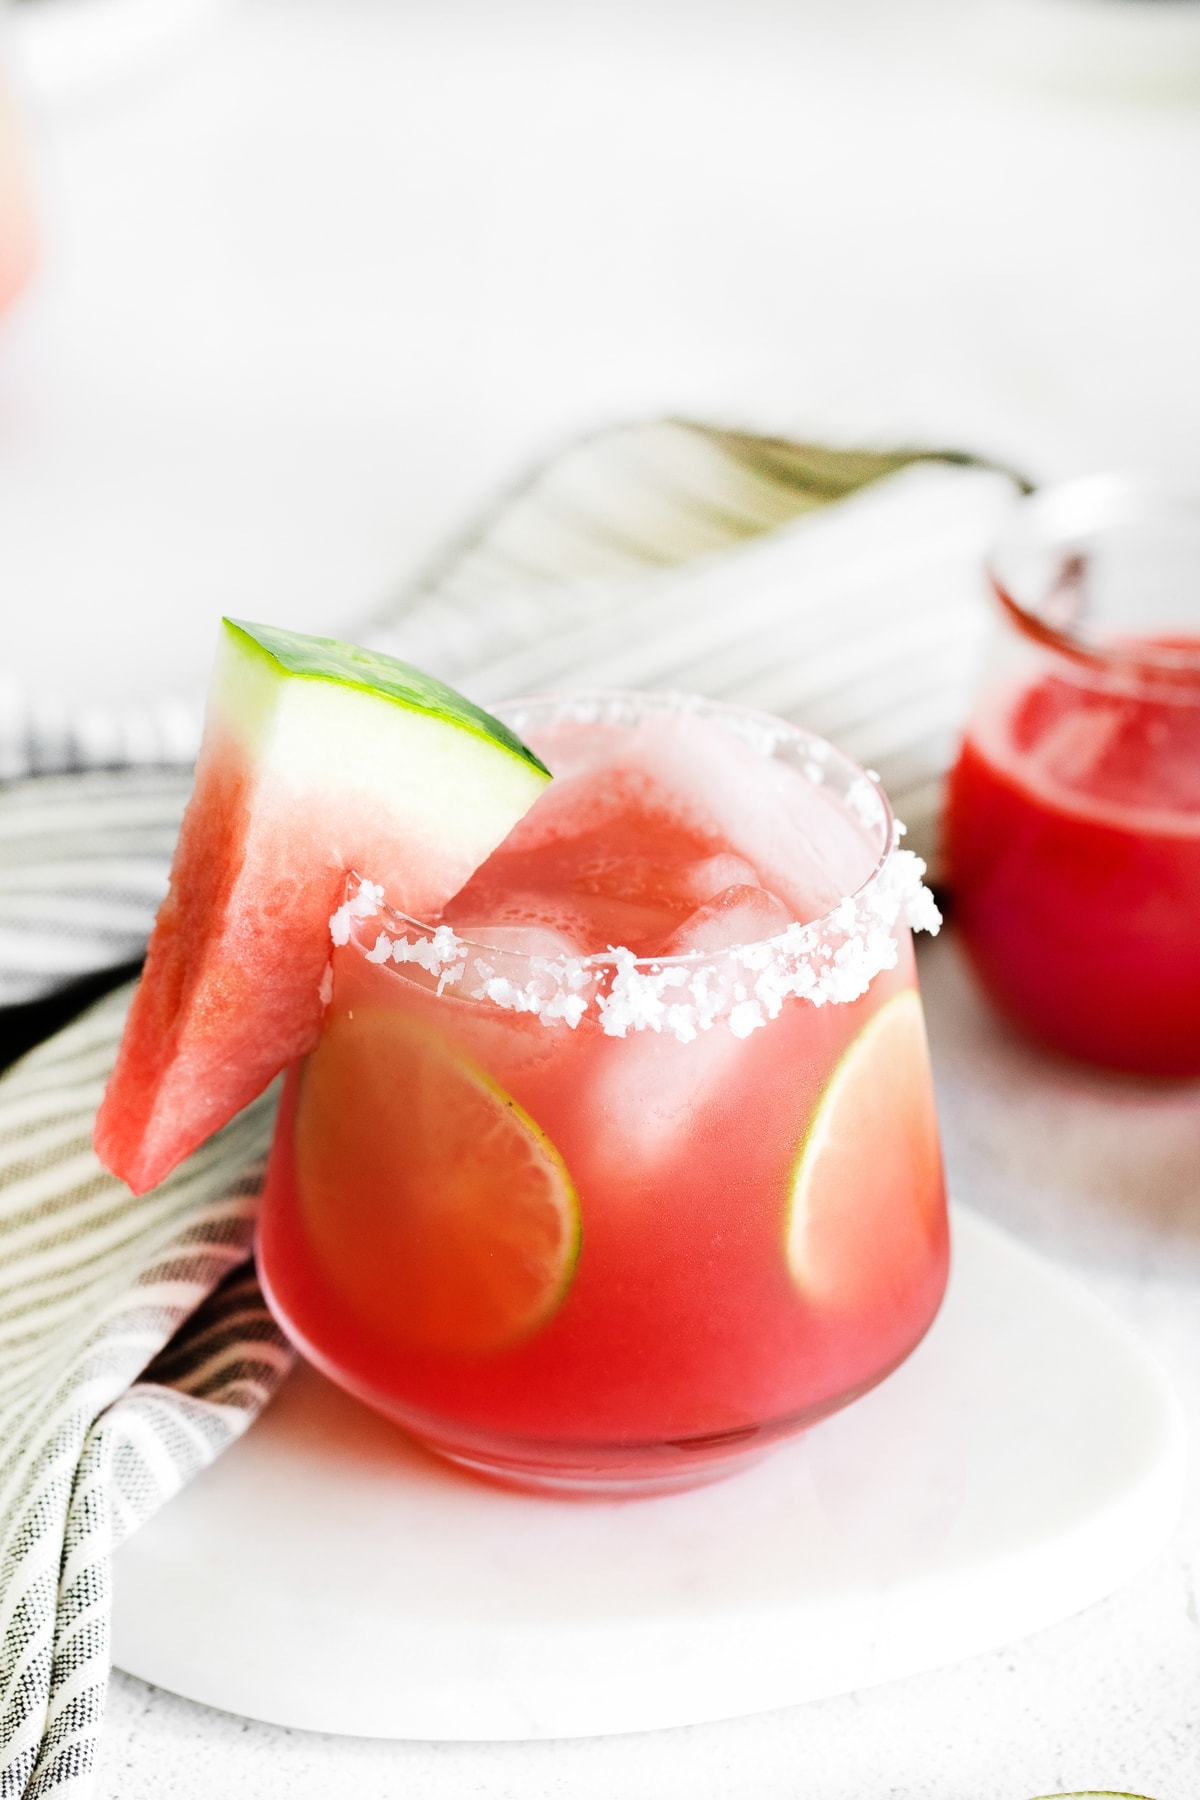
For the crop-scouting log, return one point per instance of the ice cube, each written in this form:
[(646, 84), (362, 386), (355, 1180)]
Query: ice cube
[(591, 804), (593, 784), (654, 1097), (740, 914), (525, 940), (800, 838), (708, 879), (529, 924), (664, 879)]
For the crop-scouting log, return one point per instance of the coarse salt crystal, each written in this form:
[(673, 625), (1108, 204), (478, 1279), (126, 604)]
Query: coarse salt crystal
[(830, 961), (746, 1017), (367, 900)]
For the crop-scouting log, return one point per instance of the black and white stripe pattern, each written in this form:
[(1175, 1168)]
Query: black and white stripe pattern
[(83, 866), (41, 736), (114, 1388), (134, 1343)]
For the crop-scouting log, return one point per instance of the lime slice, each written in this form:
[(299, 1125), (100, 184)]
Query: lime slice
[(437, 1209), (867, 1197)]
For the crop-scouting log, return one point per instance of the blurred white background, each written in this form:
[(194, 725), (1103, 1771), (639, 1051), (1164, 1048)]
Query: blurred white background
[(317, 276)]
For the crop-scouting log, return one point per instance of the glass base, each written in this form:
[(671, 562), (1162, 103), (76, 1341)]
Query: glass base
[(593, 1471), (585, 1470), (622, 1471), (633, 1477)]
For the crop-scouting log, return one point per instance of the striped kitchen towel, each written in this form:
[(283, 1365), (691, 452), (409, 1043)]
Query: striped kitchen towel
[(676, 555), (134, 1343), (665, 554), (106, 1406)]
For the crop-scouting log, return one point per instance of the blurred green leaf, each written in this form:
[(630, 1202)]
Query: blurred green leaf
[(1093, 1794)]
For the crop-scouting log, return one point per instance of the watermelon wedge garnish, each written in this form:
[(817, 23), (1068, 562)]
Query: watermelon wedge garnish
[(317, 758)]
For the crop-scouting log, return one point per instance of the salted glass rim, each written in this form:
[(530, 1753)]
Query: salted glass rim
[(1062, 517), (832, 959), (666, 700)]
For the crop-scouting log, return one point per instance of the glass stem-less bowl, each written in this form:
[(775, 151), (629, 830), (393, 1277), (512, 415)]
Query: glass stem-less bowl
[(612, 1223)]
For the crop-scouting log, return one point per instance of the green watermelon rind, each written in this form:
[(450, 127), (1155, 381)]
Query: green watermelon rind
[(373, 672)]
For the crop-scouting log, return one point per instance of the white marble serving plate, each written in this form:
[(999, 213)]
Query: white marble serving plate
[(326, 1573)]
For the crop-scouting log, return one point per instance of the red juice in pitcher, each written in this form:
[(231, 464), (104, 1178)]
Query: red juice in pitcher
[(1073, 833), (1072, 824), (627, 1165)]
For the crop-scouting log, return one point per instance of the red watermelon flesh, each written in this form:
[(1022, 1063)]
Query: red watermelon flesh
[(317, 759)]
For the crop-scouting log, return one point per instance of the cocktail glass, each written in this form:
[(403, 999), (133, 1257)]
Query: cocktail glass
[(608, 1224), (1072, 829)]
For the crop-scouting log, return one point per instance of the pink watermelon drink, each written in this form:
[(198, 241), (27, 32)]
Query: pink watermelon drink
[(1073, 818), (625, 1164)]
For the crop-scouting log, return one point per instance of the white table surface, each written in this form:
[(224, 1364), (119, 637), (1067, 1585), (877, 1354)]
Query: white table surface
[(319, 277)]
